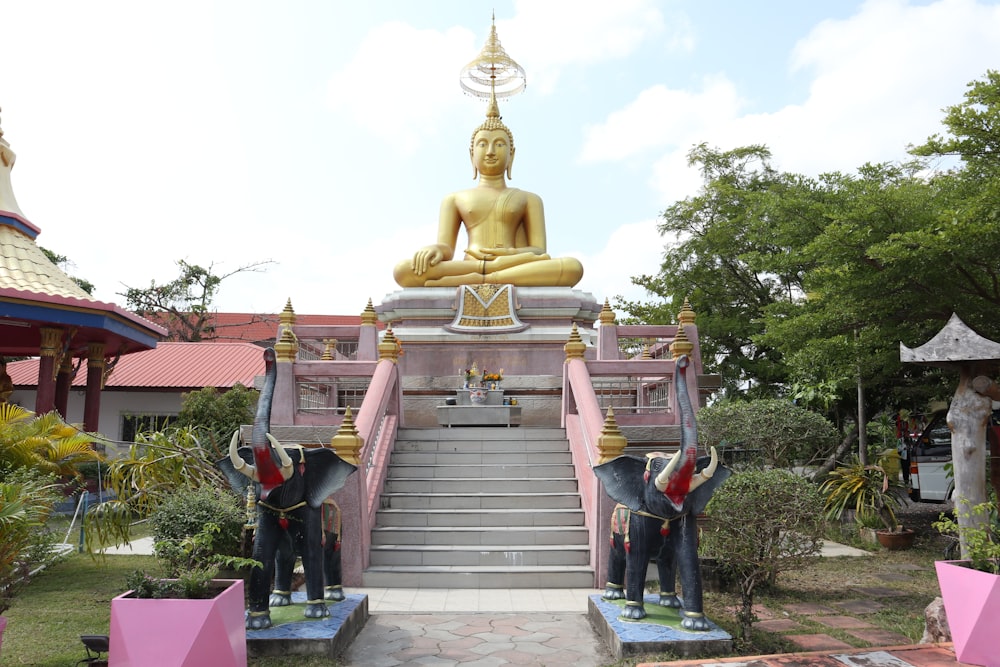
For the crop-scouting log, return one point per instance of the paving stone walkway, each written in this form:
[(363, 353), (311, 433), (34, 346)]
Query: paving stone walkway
[(477, 640)]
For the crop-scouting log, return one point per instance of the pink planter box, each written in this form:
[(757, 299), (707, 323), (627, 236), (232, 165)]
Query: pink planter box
[(179, 633), (972, 602)]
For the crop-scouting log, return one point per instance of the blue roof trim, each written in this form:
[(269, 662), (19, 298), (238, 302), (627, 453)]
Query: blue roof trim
[(77, 318), (19, 224)]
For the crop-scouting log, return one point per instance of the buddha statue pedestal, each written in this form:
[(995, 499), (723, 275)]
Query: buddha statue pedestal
[(522, 330)]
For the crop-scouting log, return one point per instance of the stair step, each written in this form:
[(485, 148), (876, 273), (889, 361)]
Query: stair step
[(468, 555), (465, 517), (480, 484), (480, 445), (478, 471), (480, 508), (398, 576), (479, 536), (470, 501), (491, 457)]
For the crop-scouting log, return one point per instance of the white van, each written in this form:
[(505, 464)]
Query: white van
[(931, 478)]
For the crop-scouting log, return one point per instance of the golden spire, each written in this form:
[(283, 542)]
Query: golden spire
[(368, 315), (686, 316), (611, 443), (607, 315), (574, 347), (347, 443), (287, 316), (492, 73), (681, 344)]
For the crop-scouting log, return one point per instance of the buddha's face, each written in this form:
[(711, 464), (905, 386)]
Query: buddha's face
[(491, 152)]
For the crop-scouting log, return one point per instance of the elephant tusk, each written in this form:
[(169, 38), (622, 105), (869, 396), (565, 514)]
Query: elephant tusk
[(238, 463), (283, 457), (707, 472), (664, 477)]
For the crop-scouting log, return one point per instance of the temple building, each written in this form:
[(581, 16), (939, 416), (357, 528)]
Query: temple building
[(45, 313)]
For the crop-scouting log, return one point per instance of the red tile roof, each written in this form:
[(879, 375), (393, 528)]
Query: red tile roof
[(170, 365), (252, 327)]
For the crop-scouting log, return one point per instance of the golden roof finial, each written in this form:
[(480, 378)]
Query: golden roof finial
[(574, 347), (368, 315), (611, 443), (607, 316), (682, 344), (287, 316), (686, 316)]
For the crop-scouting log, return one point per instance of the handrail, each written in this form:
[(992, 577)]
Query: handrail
[(377, 423)]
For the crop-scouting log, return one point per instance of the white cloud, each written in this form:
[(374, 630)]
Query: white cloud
[(661, 117), (556, 35), (400, 81), (630, 249), (881, 78)]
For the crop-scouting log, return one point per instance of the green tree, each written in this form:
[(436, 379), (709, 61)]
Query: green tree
[(63, 262), (184, 305), (217, 414), (805, 287), (730, 262)]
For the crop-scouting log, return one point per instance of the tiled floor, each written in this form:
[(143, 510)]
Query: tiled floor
[(429, 600)]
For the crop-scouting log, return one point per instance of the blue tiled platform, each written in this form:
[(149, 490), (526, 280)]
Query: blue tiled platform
[(625, 638), (326, 636)]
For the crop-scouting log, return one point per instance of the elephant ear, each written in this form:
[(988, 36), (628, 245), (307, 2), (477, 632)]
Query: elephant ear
[(698, 499), (236, 479), (325, 473), (623, 480)]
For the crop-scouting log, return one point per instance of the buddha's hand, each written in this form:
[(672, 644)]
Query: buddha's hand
[(494, 253), (425, 258)]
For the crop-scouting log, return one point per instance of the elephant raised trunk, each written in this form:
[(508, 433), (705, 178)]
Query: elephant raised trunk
[(263, 444), (674, 481)]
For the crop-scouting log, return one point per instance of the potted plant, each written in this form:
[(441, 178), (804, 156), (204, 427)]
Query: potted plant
[(971, 588), (872, 495), (164, 621)]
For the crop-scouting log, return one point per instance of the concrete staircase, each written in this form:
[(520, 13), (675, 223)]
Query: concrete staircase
[(480, 508)]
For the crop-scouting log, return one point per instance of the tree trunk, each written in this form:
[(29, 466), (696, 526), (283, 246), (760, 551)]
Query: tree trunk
[(862, 423), (967, 419), (831, 461)]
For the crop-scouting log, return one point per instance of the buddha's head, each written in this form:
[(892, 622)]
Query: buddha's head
[(490, 135)]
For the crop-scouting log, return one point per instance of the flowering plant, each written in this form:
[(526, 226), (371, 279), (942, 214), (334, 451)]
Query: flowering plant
[(471, 373), (493, 377)]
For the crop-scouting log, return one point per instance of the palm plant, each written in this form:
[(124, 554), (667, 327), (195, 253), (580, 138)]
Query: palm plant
[(865, 489), (158, 465), (44, 442), (26, 500)]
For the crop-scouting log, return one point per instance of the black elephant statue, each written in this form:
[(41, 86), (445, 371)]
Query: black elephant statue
[(665, 496), (288, 550), (666, 566), (291, 485)]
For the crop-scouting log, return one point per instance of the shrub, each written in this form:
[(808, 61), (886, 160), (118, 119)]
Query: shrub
[(762, 522), (195, 529), (780, 432)]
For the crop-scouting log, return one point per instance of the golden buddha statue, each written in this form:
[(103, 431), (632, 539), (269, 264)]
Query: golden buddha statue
[(505, 226)]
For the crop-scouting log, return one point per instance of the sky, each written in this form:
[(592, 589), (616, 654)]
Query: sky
[(322, 135)]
